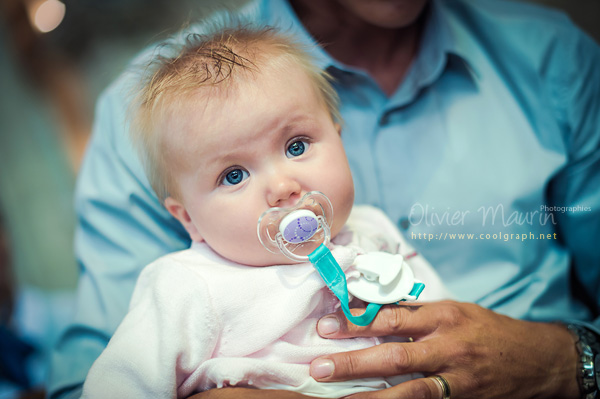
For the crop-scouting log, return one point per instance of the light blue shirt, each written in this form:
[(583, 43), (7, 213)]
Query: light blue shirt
[(496, 123)]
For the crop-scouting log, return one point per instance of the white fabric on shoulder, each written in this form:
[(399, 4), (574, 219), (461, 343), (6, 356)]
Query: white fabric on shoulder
[(145, 357)]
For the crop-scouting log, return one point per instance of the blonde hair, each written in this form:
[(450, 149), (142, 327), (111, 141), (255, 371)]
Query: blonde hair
[(208, 60)]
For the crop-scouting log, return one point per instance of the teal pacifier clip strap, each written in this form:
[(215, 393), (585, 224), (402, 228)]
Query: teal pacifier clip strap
[(334, 277)]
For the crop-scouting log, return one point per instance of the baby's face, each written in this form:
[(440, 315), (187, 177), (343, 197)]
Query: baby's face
[(263, 145)]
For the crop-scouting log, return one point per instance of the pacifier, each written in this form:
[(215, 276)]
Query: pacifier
[(297, 231), (302, 233)]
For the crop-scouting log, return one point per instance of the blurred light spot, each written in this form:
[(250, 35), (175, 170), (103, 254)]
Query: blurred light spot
[(46, 15)]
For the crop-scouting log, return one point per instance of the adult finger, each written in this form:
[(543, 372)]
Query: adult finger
[(383, 360), (399, 320), (423, 388), (248, 393)]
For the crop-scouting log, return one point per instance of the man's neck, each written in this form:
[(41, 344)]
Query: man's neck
[(386, 54)]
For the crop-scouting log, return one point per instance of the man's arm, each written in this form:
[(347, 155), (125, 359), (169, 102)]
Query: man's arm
[(576, 189), (121, 228)]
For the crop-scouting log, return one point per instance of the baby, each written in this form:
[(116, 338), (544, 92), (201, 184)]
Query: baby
[(231, 125)]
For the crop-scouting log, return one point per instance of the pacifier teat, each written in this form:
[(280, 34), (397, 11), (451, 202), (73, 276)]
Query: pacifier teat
[(297, 231)]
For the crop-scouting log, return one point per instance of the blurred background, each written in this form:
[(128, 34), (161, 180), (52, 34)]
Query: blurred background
[(56, 56)]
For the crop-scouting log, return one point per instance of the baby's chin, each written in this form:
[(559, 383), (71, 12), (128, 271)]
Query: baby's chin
[(262, 260)]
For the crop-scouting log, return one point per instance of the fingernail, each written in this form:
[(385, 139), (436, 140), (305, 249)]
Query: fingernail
[(321, 368), (328, 325)]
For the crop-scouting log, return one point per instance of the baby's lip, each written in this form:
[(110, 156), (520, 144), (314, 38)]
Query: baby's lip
[(314, 208)]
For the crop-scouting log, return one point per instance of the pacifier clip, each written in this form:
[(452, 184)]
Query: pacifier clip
[(333, 275)]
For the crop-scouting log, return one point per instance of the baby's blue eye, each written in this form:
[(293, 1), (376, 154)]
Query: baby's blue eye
[(296, 149), (235, 176)]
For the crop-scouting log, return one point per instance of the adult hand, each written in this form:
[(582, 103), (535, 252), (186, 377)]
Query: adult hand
[(480, 353), (248, 393)]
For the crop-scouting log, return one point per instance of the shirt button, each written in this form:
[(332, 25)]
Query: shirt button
[(404, 223), (384, 120)]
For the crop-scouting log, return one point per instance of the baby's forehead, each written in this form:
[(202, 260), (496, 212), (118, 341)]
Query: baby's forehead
[(220, 107), (272, 72)]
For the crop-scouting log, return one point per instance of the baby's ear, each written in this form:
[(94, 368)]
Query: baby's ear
[(178, 211)]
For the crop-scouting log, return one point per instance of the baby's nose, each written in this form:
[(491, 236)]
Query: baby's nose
[(283, 191)]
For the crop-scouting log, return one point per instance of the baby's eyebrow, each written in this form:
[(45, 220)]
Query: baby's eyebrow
[(303, 121), (224, 157)]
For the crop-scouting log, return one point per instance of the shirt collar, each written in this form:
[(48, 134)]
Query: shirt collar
[(448, 38), (439, 49), (437, 43)]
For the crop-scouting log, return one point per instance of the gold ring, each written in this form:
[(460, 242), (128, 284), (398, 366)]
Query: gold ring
[(443, 384)]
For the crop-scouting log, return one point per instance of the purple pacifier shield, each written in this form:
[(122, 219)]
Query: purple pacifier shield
[(300, 229)]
